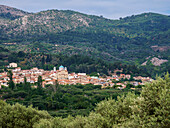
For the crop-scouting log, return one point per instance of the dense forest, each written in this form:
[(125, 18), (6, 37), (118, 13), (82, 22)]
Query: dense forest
[(149, 109), (74, 63), (128, 39), (61, 100), (78, 63)]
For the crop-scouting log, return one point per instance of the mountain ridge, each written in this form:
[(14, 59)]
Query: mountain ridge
[(63, 20), (11, 13), (128, 39)]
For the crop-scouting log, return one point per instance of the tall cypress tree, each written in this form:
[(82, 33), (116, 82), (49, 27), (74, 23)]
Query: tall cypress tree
[(11, 83), (27, 85), (43, 61), (39, 82)]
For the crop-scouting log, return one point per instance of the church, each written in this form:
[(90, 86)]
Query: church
[(62, 73)]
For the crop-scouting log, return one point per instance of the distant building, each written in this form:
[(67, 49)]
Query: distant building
[(17, 69), (34, 69), (62, 73), (128, 76), (61, 68), (13, 65), (82, 75), (54, 69)]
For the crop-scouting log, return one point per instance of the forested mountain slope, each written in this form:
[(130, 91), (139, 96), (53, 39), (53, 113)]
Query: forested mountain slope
[(74, 63), (128, 39)]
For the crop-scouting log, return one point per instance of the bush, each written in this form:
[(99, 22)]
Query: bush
[(150, 109), (153, 109), (18, 116)]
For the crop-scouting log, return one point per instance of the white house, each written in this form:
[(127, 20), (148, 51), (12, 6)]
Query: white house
[(13, 65)]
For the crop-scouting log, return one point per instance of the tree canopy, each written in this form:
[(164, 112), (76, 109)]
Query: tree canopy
[(150, 109)]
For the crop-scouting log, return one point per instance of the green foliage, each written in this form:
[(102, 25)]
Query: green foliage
[(26, 85), (11, 83), (128, 40), (93, 121), (154, 105), (150, 109), (39, 83), (74, 63), (60, 100), (94, 74), (18, 116), (116, 112)]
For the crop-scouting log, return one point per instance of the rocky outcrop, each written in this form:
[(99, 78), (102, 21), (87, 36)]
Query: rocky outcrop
[(157, 62), (11, 13), (143, 64)]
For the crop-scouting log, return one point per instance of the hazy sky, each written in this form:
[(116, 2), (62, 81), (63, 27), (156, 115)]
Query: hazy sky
[(112, 9)]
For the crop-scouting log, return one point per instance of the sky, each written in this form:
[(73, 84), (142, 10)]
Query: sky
[(112, 9)]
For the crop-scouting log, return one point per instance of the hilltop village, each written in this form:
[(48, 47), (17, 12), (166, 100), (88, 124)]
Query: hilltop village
[(64, 78)]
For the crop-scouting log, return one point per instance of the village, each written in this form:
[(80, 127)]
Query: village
[(64, 78)]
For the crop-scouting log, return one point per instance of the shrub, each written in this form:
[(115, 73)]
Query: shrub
[(18, 116)]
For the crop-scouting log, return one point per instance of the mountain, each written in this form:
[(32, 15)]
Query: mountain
[(11, 13), (130, 39)]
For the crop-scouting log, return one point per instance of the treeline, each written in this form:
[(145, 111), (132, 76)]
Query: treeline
[(59, 100), (150, 109), (74, 63), (80, 63)]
